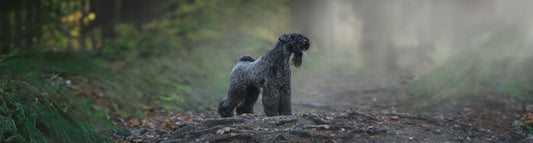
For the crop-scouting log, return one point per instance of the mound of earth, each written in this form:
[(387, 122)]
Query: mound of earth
[(354, 125)]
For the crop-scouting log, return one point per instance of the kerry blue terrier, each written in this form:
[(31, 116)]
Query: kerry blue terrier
[(271, 72)]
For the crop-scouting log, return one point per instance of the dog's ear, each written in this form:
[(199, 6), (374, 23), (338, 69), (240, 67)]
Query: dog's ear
[(287, 41), (284, 38)]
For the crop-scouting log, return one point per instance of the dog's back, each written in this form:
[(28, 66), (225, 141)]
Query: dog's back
[(246, 58)]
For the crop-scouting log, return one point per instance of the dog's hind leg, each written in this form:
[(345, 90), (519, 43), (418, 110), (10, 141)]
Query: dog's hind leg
[(235, 95), (247, 105)]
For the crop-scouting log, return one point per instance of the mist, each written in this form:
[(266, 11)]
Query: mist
[(430, 53)]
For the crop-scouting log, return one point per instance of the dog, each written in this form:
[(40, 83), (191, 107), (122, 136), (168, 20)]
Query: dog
[(271, 73)]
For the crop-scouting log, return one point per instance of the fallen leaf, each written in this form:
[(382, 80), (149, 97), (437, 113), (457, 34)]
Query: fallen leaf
[(95, 95), (528, 122), (134, 122), (145, 121), (166, 125), (342, 130), (528, 119), (149, 108), (223, 131), (323, 127)]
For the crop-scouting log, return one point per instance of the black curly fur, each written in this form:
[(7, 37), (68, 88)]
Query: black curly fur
[(246, 58), (271, 72)]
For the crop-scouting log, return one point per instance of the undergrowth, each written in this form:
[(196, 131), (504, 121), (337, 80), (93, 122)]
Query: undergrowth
[(34, 110), (180, 61)]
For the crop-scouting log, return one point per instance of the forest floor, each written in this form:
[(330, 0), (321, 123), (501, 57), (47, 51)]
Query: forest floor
[(336, 113), (354, 125)]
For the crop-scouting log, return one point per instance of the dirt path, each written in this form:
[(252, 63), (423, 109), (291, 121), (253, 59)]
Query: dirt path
[(338, 112), (356, 125)]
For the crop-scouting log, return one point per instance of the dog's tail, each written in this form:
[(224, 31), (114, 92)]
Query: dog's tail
[(246, 58)]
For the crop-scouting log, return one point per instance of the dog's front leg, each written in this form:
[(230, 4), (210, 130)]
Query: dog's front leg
[(271, 99), (285, 100)]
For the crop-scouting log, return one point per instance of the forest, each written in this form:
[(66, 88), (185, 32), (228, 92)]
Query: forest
[(376, 70)]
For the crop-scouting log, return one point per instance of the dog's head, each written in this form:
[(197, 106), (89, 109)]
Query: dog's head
[(297, 44)]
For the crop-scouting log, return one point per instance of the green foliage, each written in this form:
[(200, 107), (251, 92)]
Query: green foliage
[(34, 110), (528, 129), (6, 56), (182, 60), (178, 61), (64, 63), (42, 25)]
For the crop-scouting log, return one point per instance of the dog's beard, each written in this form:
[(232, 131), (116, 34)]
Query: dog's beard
[(297, 59)]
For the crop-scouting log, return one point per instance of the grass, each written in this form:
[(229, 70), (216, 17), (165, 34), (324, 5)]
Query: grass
[(33, 109)]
